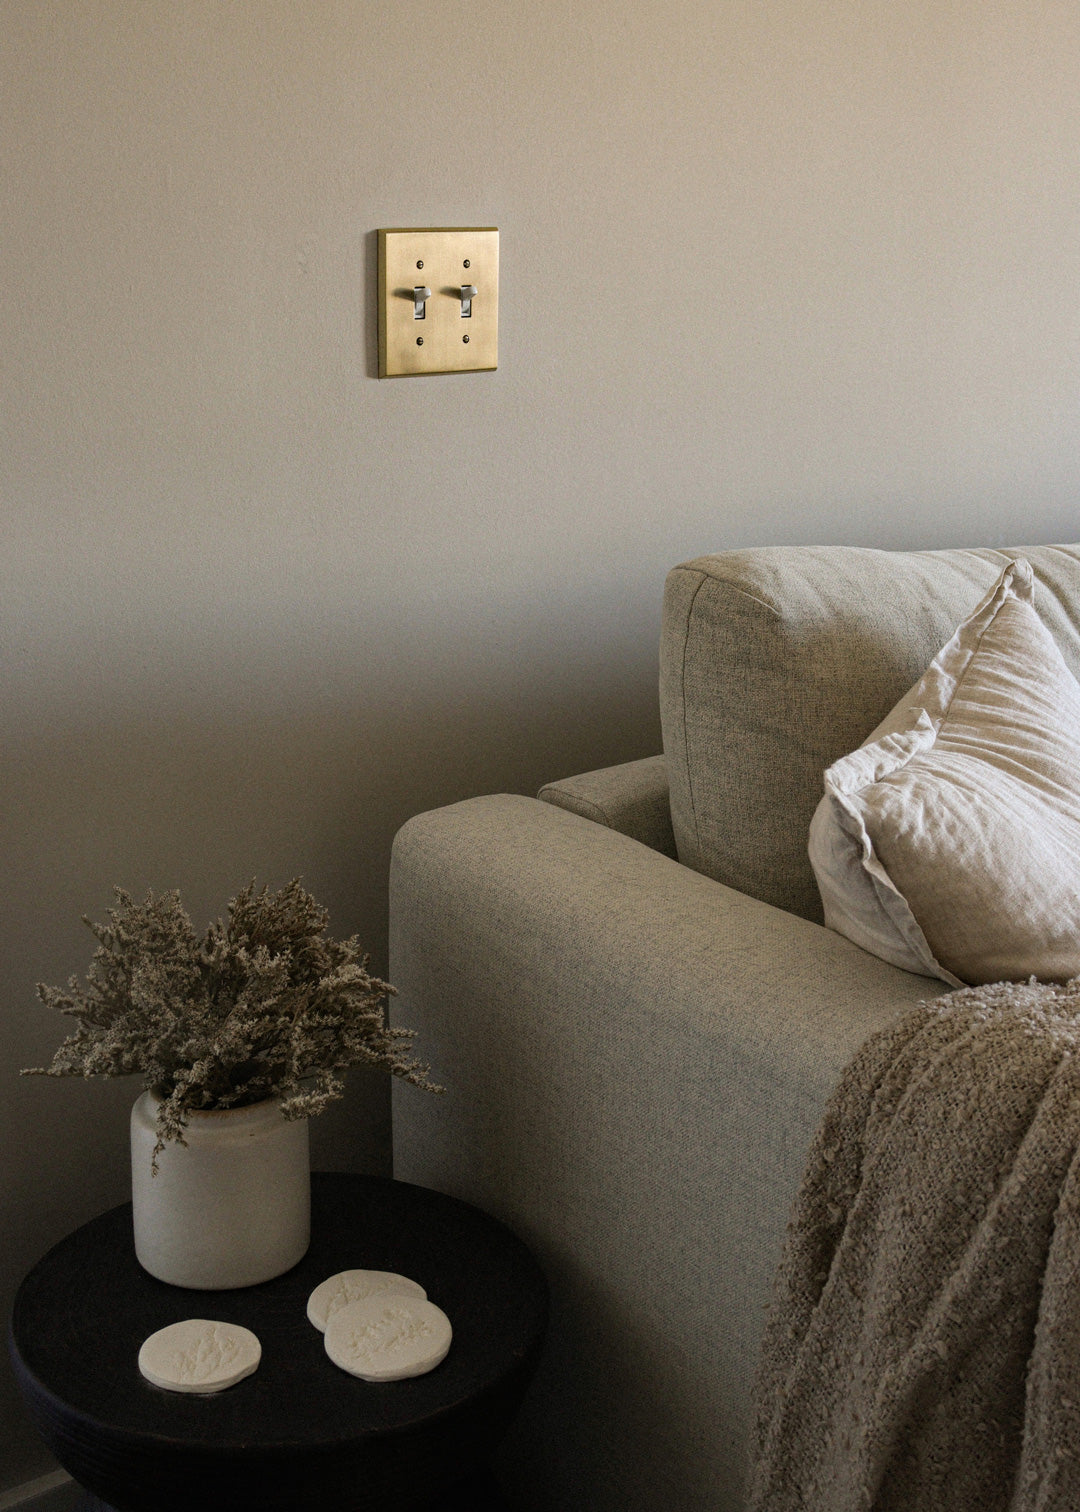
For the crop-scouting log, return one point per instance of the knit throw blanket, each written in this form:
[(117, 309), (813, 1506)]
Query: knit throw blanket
[(922, 1353)]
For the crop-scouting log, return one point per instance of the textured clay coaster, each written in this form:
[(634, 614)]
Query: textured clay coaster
[(388, 1338), (353, 1286), (199, 1355)]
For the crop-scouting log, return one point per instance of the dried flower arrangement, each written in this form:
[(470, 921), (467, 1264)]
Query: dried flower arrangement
[(263, 1006)]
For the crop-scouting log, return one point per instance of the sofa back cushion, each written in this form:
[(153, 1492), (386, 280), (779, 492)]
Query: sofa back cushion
[(775, 662)]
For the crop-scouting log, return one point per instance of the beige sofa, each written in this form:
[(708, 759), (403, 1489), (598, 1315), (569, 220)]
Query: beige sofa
[(639, 1017)]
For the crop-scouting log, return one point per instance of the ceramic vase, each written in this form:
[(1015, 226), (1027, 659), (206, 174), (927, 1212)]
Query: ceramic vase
[(231, 1207)]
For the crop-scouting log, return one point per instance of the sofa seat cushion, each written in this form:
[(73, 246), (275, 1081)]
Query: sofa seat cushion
[(775, 662)]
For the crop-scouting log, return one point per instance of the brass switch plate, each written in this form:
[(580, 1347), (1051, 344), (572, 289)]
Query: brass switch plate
[(445, 261)]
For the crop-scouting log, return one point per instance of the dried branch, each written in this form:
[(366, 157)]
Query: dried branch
[(263, 1006)]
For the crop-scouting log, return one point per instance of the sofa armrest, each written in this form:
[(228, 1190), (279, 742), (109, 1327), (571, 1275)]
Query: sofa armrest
[(631, 798), (636, 1059)]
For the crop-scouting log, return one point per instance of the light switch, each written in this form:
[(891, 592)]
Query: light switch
[(438, 300)]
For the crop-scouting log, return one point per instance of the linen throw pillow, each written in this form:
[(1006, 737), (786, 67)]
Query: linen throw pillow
[(949, 842)]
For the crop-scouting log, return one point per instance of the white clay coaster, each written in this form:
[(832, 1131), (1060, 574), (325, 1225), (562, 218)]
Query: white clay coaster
[(199, 1355), (353, 1286), (388, 1338)]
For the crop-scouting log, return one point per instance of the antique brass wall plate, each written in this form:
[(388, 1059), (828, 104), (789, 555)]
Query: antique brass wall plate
[(429, 321)]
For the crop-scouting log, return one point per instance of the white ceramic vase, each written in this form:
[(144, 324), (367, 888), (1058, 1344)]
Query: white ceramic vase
[(230, 1208)]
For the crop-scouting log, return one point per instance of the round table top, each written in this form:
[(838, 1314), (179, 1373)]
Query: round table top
[(84, 1310)]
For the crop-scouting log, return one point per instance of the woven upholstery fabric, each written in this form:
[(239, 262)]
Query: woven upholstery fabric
[(635, 1059), (777, 661), (631, 798)]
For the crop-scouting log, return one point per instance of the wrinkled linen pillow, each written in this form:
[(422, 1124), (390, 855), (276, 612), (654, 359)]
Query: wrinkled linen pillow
[(949, 842)]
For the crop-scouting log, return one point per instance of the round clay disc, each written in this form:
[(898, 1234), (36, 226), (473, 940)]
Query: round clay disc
[(199, 1355), (353, 1286), (388, 1338)]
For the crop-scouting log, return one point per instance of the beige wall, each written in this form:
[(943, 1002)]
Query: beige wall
[(770, 272)]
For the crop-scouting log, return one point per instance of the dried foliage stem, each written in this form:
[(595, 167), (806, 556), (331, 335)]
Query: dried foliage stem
[(264, 1005)]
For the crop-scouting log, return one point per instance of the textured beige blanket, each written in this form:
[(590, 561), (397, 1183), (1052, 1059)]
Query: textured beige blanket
[(923, 1349)]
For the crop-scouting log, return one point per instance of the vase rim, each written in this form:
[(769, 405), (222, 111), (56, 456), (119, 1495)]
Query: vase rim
[(266, 1106)]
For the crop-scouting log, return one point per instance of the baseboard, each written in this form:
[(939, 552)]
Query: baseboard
[(59, 1493), (56, 1492)]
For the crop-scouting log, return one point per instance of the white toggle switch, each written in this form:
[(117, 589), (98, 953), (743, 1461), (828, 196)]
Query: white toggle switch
[(468, 294), (421, 293)]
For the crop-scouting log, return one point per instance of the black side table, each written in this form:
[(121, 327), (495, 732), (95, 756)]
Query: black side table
[(300, 1433)]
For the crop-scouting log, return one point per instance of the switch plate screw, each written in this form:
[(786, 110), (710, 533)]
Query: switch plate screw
[(419, 341)]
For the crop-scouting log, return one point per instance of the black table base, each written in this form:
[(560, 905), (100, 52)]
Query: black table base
[(478, 1493)]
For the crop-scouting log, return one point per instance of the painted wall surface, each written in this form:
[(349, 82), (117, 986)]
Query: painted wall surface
[(804, 271)]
